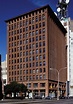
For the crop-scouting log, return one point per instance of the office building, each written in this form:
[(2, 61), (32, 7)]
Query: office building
[(68, 24), (36, 44), (4, 73)]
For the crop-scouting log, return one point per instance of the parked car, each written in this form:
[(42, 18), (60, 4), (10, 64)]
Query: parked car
[(38, 97), (62, 97), (48, 97)]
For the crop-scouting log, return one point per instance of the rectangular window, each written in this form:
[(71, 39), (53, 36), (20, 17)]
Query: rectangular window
[(42, 84), (35, 85)]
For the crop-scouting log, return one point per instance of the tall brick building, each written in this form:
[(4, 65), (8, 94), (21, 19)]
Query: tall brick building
[(36, 43)]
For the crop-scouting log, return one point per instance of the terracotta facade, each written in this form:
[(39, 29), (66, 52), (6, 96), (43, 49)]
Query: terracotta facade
[(36, 43)]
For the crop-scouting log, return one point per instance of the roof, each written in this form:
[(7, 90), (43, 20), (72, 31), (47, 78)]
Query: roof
[(51, 13)]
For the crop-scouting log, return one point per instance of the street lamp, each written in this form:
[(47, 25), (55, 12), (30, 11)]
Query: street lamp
[(58, 71), (62, 8)]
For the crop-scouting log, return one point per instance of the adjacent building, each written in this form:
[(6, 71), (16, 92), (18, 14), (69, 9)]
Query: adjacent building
[(36, 43), (1, 95), (68, 24), (4, 73)]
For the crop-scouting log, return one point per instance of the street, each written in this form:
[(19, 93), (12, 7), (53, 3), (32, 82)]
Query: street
[(36, 101)]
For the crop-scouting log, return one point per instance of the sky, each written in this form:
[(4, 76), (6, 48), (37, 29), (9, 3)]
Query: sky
[(13, 8)]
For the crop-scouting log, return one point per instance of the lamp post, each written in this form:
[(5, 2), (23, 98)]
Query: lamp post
[(58, 71), (62, 8)]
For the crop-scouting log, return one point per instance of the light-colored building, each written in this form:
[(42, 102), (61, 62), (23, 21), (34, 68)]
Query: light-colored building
[(68, 24), (4, 71)]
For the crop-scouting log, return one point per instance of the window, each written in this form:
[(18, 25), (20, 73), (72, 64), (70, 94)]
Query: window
[(33, 70), (23, 29), (43, 24), (35, 85), (36, 26), (29, 46), (26, 59), (36, 44), (42, 84), (20, 23), (30, 40), (33, 77), (30, 34), (20, 54), (43, 37), (23, 47), (26, 41), (44, 76), (30, 65), (23, 65), (44, 69), (26, 71), (40, 63), (40, 70), (33, 33), (37, 70), (40, 76), (20, 42), (30, 71), (40, 31), (20, 48), (32, 27), (20, 60), (40, 50), (30, 52), (20, 30), (30, 77), (33, 39), (40, 37), (44, 43), (39, 17), (43, 16), (36, 19), (23, 59), (40, 57), (44, 63), (26, 35), (36, 38), (29, 27), (26, 28), (26, 46), (32, 19), (44, 56), (26, 65), (33, 45), (43, 49), (29, 84), (26, 22), (26, 77), (36, 51), (37, 76), (33, 58), (36, 57), (29, 21), (40, 44), (36, 32), (36, 63)]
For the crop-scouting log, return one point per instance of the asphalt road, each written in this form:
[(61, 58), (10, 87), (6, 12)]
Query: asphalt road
[(37, 101)]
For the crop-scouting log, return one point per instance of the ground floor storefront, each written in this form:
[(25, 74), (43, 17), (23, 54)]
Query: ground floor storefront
[(51, 90)]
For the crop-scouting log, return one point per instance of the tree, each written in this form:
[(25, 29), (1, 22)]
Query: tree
[(15, 87)]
